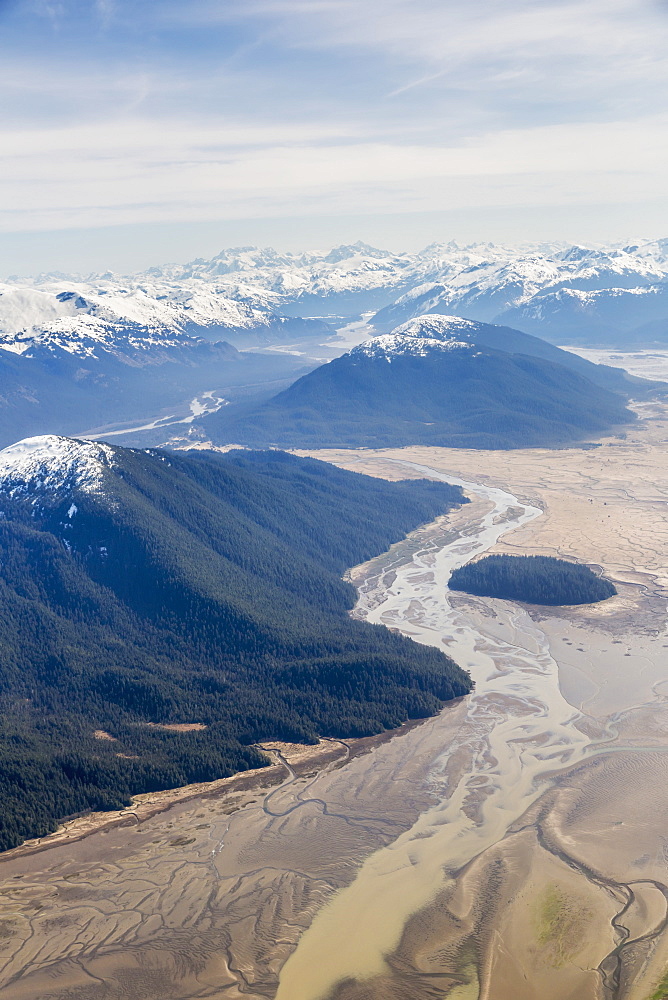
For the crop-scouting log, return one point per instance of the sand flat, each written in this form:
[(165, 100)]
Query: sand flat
[(605, 506), (554, 775)]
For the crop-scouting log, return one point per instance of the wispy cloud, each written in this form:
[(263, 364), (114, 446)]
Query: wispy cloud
[(105, 11), (120, 112), (137, 172), (580, 58)]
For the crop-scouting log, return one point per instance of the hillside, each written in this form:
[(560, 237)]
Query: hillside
[(424, 385), (615, 317), (505, 338), (141, 587)]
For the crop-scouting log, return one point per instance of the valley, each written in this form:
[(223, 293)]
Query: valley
[(333, 500), (207, 402), (108, 352), (651, 363), (510, 847)]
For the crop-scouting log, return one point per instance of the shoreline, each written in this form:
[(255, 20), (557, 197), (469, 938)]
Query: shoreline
[(242, 868), (304, 759)]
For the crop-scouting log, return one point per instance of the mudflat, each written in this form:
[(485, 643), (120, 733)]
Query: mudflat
[(571, 899), (513, 847), (200, 890)]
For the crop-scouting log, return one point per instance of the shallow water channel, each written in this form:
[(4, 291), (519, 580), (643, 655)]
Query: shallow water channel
[(400, 868), (518, 731)]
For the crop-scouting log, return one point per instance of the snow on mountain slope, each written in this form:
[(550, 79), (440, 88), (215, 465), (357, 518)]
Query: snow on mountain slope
[(525, 290), (257, 294), (614, 316), (158, 306), (50, 463), (480, 291), (395, 345), (94, 337), (121, 316), (345, 268), (486, 291), (421, 336), (439, 327), (655, 251)]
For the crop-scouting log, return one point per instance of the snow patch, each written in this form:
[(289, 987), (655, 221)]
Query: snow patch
[(395, 345), (438, 326), (420, 337), (50, 464)]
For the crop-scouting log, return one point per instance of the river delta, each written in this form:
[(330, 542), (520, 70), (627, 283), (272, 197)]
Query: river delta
[(513, 847)]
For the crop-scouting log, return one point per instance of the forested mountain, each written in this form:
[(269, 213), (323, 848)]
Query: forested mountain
[(427, 383), (141, 587), (534, 579), (504, 338)]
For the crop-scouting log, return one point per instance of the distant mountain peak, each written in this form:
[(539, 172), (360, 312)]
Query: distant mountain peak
[(394, 345), (437, 326), (419, 337), (349, 250), (50, 463), (437, 248)]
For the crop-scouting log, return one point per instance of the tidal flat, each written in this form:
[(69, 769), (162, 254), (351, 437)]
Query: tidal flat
[(513, 847)]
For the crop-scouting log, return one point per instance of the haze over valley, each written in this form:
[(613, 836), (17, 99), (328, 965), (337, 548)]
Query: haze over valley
[(105, 353)]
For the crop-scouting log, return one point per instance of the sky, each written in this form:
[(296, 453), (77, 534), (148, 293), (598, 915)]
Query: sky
[(134, 132)]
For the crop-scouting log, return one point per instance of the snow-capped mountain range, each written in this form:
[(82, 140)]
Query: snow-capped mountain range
[(81, 354), (250, 296), (546, 286), (113, 314), (574, 295)]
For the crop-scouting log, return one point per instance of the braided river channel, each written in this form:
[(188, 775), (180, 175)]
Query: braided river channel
[(514, 847), (517, 732), (517, 736)]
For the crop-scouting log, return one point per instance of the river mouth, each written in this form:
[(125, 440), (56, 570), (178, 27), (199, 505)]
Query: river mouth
[(518, 731), (542, 869), (510, 848)]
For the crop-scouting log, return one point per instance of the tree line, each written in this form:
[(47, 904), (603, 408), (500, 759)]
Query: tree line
[(200, 588)]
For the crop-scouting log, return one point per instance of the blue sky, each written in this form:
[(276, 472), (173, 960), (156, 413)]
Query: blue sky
[(137, 132)]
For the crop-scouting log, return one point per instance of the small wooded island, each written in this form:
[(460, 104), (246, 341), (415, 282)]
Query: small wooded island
[(534, 579)]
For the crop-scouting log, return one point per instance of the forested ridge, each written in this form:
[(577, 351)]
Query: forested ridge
[(194, 588), (534, 579), (461, 399)]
